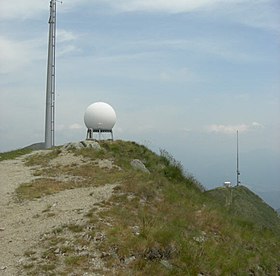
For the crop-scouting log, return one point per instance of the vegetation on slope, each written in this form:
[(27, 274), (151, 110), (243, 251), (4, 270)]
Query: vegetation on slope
[(13, 154), (248, 207), (156, 223)]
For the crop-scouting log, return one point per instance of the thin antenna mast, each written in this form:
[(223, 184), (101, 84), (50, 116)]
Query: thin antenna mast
[(50, 89), (237, 161)]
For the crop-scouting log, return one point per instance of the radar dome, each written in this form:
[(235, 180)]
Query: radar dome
[(100, 116)]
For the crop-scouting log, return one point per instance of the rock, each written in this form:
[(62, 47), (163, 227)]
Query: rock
[(166, 264), (75, 145), (2, 228), (136, 230), (143, 201), (99, 237), (138, 165), (131, 197), (97, 263), (82, 144), (91, 144), (153, 254), (84, 253), (21, 260), (130, 259), (201, 238), (3, 268), (105, 254), (105, 164)]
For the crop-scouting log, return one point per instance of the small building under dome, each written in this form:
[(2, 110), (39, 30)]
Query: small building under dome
[(99, 118)]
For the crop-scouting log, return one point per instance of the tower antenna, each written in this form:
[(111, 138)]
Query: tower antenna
[(237, 161), (50, 87)]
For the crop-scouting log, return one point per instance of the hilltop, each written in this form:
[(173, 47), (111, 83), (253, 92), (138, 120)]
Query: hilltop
[(117, 208), (245, 205)]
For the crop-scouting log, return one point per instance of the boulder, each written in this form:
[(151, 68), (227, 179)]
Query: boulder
[(83, 144), (138, 165)]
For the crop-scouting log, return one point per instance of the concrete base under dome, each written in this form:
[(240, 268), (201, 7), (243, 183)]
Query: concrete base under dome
[(90, 133)]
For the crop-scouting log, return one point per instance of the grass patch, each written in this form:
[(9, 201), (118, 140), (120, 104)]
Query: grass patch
[(13, 154), (28, 266), (76, 228), (42, 159), (185, 229), (47, 267), (41, 187), (74, 261), (29, 253)]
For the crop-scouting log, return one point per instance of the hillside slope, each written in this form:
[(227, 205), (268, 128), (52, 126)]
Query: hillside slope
[(116, 208), (247, 206)]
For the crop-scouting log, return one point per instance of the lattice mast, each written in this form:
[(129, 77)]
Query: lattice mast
[(50, 88), (237, 160)]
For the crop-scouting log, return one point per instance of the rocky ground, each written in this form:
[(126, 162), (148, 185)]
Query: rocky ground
[(22, 224)]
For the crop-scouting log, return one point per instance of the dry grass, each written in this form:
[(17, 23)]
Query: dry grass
[(159, 223), (42, 187), (43, 158)]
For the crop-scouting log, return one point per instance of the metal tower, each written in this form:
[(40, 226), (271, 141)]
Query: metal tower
[(50, 89), (237, 161)]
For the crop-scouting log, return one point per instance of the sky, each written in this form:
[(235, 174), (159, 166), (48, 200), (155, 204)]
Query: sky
[(182, 75)]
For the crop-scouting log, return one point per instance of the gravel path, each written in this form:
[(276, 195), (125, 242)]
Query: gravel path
[(22, 224)]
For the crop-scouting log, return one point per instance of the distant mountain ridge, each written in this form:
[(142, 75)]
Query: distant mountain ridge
[(246, 205)]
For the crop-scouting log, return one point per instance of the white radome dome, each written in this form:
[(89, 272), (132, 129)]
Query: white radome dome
[(100, 116)]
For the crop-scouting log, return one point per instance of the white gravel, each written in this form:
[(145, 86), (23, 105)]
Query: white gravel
[(22, 224)]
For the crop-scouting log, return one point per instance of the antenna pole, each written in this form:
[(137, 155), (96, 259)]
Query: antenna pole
[(50, 88), (237, 160)]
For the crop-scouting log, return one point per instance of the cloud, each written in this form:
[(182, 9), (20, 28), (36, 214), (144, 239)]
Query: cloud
[(257, 125), (262, 14), (14, 55), (59, 127), (22, 9), (27, 9), (183, 74), (178, 6), (231, 129), (257, 14), (161, 5), (66, 42), (63, 127), (10, 55), (17, 54), (75, 126), (65, 36), (229, 50), (185, 129)]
